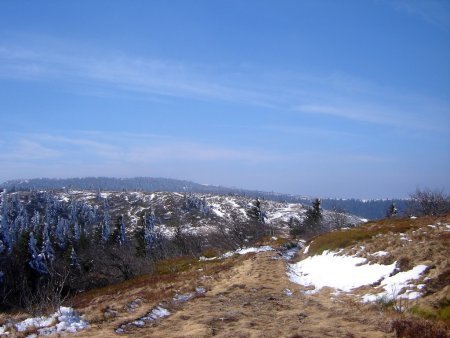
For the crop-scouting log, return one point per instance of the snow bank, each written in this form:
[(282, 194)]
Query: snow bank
[(36, 322), (340, 272), (64, 320), (348, 272), (395, 284)]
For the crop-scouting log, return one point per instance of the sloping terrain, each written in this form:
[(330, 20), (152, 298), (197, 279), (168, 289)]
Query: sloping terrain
[(196, 213), (244, 296), (253, 294)]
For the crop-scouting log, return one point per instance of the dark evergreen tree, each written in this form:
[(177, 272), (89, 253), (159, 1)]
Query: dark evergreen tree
[(5, 235), (313, 221), (47, 249), (119, 234), (139, 236), (105, 226), (35, 221), (61, 231), (38, 260), (392, 211), (256, 213)]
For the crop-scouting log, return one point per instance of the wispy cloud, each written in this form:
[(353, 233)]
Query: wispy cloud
[(114, 74), (131, 74), (137, 149), (26, 150)]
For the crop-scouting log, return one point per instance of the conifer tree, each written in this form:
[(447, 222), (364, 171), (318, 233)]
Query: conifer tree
[(392, 211), (105, 226), (47, 248), (61, 231), (37, 261), (74, 264), (313, 221), (5, 235), (149, 232), (119, 235), (76, 231)]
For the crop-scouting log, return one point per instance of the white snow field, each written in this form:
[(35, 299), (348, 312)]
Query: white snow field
[(346, 273)]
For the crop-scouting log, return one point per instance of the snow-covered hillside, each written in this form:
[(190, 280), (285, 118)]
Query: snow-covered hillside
[(196, 213)]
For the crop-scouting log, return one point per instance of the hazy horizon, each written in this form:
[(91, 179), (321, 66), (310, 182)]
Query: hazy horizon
[(317, 98)]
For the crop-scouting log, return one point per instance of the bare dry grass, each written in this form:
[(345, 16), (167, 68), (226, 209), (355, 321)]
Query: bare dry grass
[(419, 328), (344, 238)]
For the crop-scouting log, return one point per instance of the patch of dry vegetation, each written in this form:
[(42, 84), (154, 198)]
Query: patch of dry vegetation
[(109, 306), (344, 238), (409, 242), (419, 328)]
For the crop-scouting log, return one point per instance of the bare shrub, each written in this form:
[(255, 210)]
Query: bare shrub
[(419, 328), (429, 202), (237, 234), (338, 218)]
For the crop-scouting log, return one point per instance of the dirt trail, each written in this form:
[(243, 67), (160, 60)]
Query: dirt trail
[(250, 301)]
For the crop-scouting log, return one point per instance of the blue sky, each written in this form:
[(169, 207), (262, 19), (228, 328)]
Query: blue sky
[(322, 98)]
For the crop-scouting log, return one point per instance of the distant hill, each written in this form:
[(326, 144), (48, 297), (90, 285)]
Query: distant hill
[(370, 209)]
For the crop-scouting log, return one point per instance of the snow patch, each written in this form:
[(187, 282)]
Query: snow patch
[(156, 313), (183, 298), (380, 253), (254, 249), (340, 272), (3, 330), (288, 292), (244, 251), (66, 319), (395, 284)]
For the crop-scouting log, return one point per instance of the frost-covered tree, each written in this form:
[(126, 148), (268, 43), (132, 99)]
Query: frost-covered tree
[(122, 235), (73, 212), (5, 235), (51, 210), (256, 212), (74, 264), (47, 248), (147, 240), (150, 235), (76, 231), (61, 232), (105, 226), (35, 221), (205, 209), (119, 235), (37, 260)]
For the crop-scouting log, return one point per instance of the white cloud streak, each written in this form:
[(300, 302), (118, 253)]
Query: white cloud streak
[(27, 150), (338, 95), (138, 149)]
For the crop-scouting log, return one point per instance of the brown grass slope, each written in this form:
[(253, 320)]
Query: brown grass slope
[(246, 295)]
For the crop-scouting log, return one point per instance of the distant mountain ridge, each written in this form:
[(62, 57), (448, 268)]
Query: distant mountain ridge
[(370, 209)]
